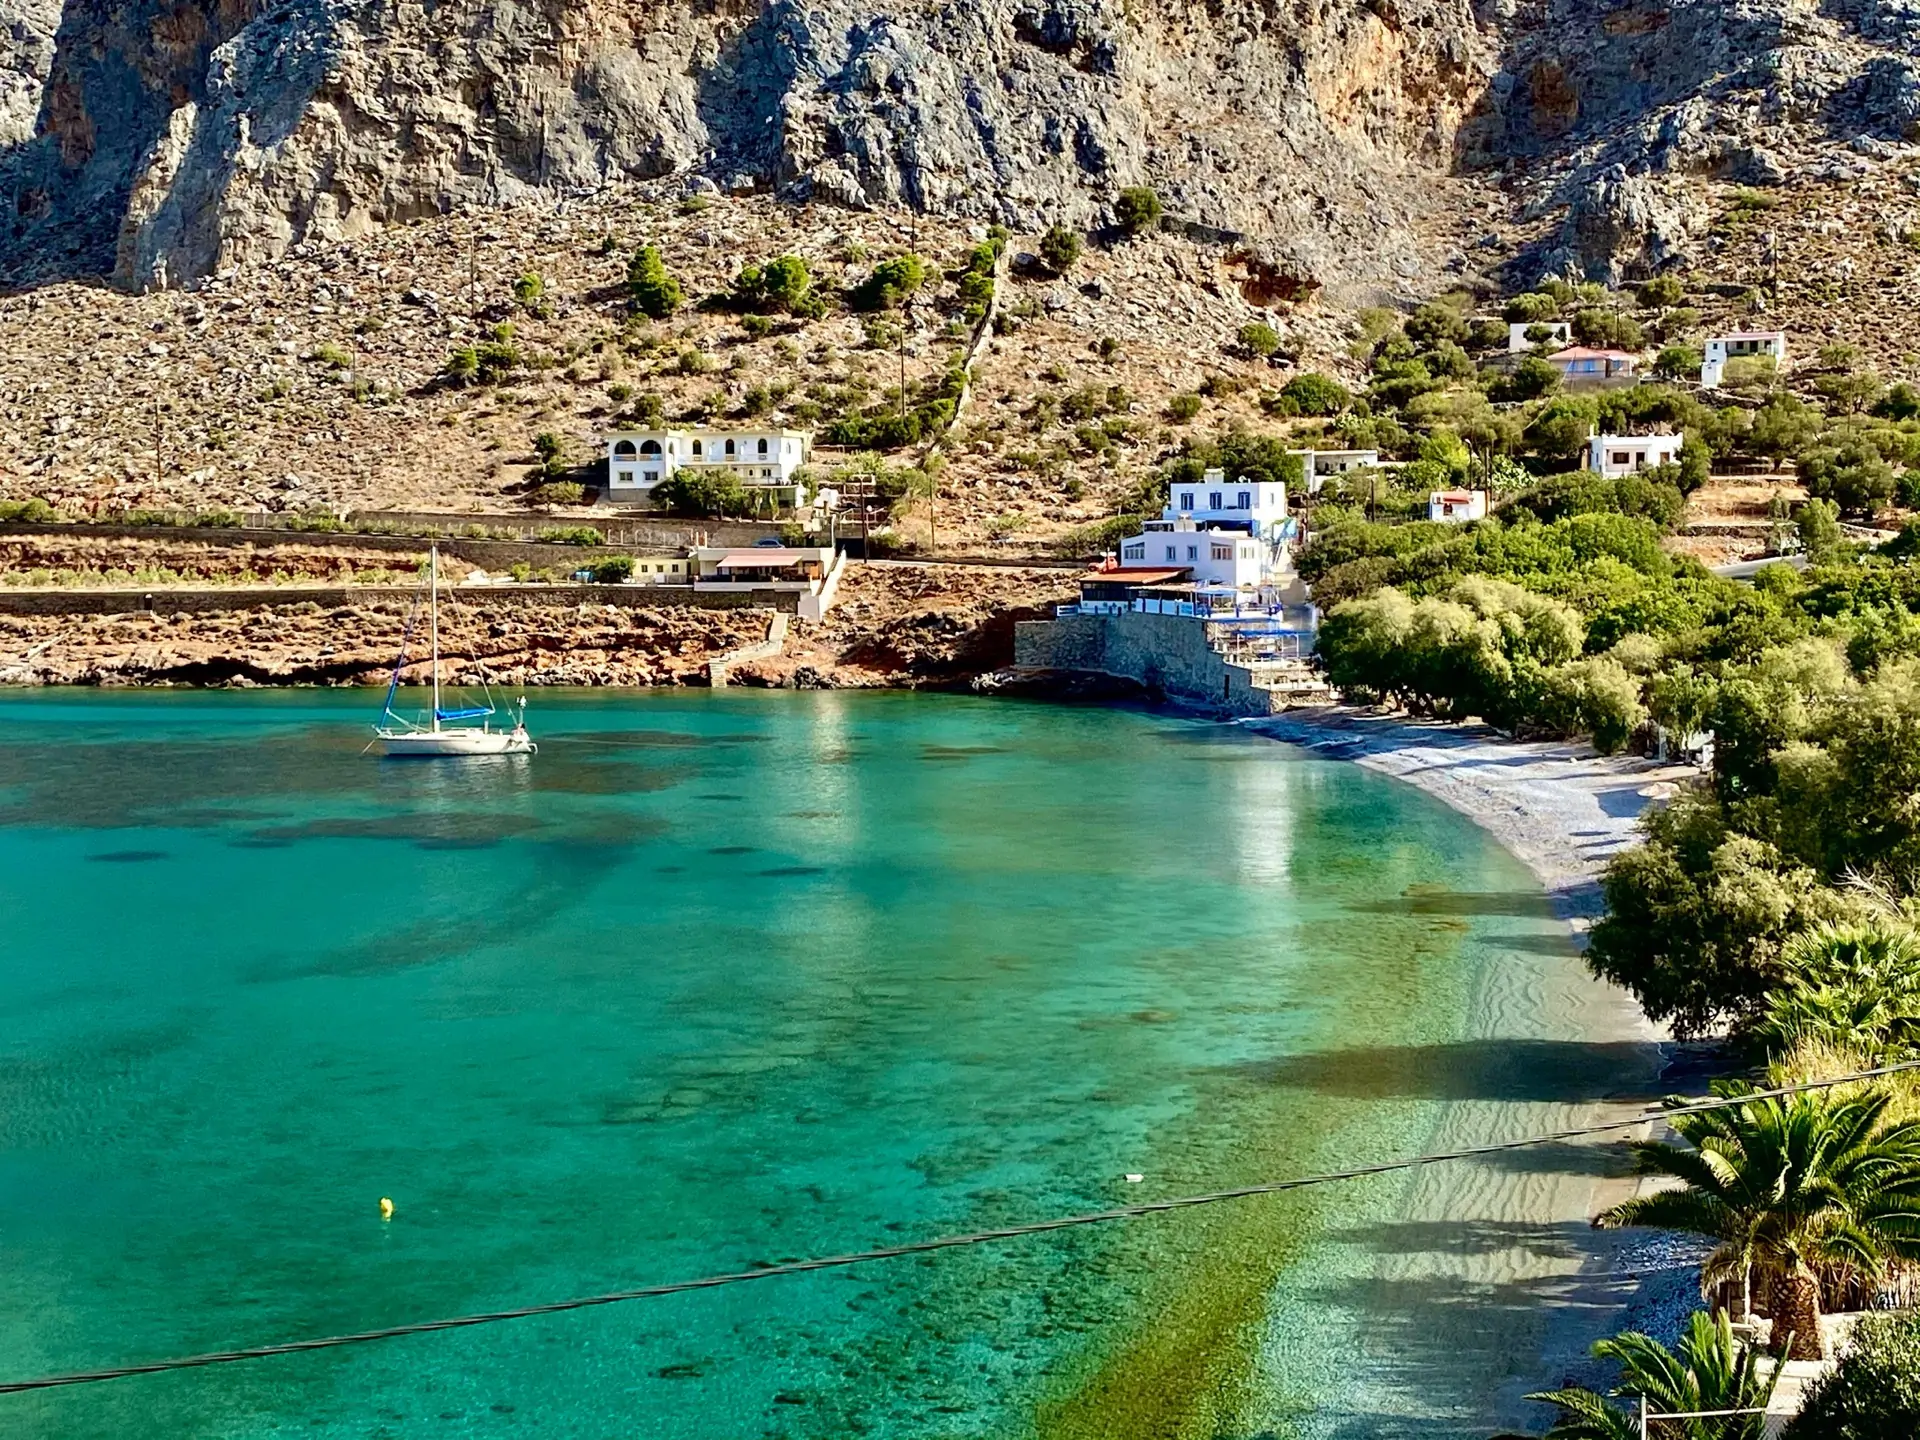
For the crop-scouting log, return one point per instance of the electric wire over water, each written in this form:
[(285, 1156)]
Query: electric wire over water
[(922, 1247)]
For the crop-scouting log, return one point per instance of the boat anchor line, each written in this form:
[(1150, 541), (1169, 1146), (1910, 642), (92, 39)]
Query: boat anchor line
[(943, 1242)]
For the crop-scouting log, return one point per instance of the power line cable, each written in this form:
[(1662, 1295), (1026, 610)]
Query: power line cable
[(922, 1247)]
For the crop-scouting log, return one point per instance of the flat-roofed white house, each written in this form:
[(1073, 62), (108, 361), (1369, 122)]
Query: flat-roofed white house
[(762, 460), (810, 572), (1741, 345), (1457, 506), (1613, 455), (1258, 507), (1559, 333), (1320, 465), (1214, 555)]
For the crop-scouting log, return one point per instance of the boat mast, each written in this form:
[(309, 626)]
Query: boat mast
[(433, 594)]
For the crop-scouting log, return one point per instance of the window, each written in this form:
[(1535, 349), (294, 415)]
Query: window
[(1621, 457), (729, 447), (649, 447), (623, 450), (1213, 501), (1172, 553), (1223, 552), (625, 478), (1193, 552), (1246, 500), (763, 447), (1186, 500), (696, 447), (1247, 552), (1135, 552)]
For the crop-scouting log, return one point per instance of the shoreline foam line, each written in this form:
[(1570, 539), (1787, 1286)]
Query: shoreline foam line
[(944, 1242)]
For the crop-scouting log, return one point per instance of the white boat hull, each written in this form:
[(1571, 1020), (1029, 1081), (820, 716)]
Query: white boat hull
[(428, 744)]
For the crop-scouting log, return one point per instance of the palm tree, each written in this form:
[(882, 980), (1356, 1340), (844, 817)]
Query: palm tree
[(1786, 1185), (1849, 987), (1707, 1371)]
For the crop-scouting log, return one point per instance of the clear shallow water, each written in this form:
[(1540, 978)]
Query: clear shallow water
[(716, 979)]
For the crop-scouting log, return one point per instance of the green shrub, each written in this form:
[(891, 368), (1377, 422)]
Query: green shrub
[(331, 356), (559, 492), (1059, 248), (620, 394), (1609, 329), (32, 511), (614, 570), (1873, 1393), (1258, 338), (890, 283), (1662, 292), (1183, 407), (781, 284), (569, 535), (528, 290), (757, 327), (1137, 209), (1677, 362), (707, 495), (1852, 475), (1530, 378), (1531, 308), (1435, 322), (654, 291), (1314, 394)]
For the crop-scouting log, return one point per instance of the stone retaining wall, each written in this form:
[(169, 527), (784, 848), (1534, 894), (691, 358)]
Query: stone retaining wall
[(1166, 653), (212, 599)]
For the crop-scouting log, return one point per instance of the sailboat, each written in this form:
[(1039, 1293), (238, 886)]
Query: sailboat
[(447, 732)]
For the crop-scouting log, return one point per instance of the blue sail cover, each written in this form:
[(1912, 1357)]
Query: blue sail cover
[(464, 714)]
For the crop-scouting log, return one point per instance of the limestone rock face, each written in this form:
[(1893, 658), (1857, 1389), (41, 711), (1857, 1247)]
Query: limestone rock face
[(175, 137), (157, 141)]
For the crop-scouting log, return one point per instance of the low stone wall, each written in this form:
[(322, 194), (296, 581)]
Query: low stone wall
[(212, 599), (500, 555), (1168, 654)]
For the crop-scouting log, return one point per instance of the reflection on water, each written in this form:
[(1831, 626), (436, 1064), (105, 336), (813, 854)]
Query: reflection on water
[(712, 980)]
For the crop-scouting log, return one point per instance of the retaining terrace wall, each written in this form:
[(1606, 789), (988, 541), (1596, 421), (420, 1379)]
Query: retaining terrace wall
[(211, 599), (1166, 653)]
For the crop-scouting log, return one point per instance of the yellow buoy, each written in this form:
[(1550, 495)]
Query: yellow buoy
[(386, 1208)]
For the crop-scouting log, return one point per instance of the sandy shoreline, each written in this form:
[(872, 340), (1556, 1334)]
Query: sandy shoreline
[(1522, 1284)]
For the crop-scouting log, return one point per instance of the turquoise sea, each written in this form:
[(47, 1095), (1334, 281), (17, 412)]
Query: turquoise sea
[(718, 979)]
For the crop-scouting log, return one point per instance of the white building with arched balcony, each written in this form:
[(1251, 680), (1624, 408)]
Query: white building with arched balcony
[(765, 461)]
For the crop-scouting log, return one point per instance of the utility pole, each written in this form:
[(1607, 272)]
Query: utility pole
[(159, 454)]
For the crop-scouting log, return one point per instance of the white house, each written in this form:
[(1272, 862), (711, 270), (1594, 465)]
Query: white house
[(1457, 506), (1743, 344), (1625, 454), (1318, 465), (1214, 555), (811, 572), (762, 460), (1559, 333), (1259, 507)]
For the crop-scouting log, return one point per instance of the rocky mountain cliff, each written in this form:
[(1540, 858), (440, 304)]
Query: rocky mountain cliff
[(1357, 142)]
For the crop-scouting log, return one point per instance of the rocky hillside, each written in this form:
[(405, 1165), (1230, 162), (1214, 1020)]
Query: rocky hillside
[(1359, 142)]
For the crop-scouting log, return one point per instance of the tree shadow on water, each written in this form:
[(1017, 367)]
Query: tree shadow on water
[(1449, 902), (1497, 1069), (1453, 1353)]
